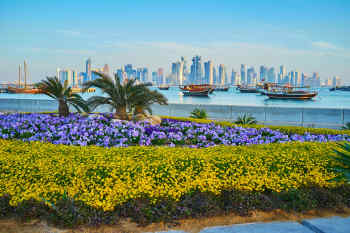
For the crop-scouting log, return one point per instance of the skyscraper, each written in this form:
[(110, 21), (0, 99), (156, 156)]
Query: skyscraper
[(161, 77), (263, 73), (282, 75), (233, 77), (208, 72), (271, 75), (243, 74), (316, 79), (336, 82), (88, 69), (106, 69), (196, 70), (222, 74), (250, 75)]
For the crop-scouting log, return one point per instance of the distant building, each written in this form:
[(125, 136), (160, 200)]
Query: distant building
[(336, 82), (271, 75), (161, 76), (209, 72), (233, 77), (106, 69), (70, 76), (155, 78), (250, 76), (316, 79), (263, 73), (88, 69), (196, 70), (243, 73), (222, 75)]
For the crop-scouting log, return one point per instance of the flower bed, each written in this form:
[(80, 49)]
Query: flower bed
[(91, 184), (102, 131)]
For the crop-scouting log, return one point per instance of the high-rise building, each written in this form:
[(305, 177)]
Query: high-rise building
[(88, 69), (69, 76), (106, 69), (282, 75), (316, 79), (161, 77), (297, 78), (196, 70), (155, 78), (250, 76), (336, 82), (222, 74), (243, 74), (263, 73), (208, 72), (215, 78), (271, 75), (233, 77)]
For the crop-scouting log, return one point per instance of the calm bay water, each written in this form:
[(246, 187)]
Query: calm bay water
[(325, 98)]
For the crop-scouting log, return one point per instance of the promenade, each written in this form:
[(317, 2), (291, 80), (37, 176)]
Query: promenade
[(318, 225)]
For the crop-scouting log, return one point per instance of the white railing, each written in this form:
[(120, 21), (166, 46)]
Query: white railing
[(297, 116)]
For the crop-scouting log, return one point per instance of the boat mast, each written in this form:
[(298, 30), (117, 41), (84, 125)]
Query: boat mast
[(25, 74), (19, 76)]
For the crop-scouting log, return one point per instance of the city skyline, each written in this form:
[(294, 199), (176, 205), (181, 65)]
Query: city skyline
[(199, 72), (299, 34)]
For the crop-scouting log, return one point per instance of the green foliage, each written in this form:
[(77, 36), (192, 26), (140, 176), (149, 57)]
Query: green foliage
[(246, 119), (124, 98), (199, 114), (53, 88), (343, 159), (346, 126)]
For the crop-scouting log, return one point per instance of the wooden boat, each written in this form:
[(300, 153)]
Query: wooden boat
[(222, 88), (296, 95), (198, 87), (248, 90), (342, 88), (196, 92), (16, 90)]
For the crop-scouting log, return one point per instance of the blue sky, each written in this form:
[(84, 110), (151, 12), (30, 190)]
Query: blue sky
[(305, 35)]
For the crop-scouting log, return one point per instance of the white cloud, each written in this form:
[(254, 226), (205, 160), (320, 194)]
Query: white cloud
[(323, 45)]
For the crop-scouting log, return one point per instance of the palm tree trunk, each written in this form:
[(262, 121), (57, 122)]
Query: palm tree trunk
[(121, 113), (139, 110), (63, 109)]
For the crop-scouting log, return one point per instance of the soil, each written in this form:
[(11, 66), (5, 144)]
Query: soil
[(187, 225)]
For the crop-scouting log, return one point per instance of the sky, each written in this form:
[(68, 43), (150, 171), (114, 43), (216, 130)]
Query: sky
[(304, 35)]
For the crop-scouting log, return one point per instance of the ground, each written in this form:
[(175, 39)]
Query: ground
[(188, 225)]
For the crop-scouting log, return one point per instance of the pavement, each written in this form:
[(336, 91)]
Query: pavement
[(317, 225)]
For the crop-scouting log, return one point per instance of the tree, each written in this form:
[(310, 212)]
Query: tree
[(125, 98), (52, 87)]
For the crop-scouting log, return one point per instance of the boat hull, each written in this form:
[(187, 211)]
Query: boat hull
[(248, 90), (14, 90), (196, 93), (291, 96)]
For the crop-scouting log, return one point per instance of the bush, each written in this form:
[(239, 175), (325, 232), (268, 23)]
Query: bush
[(96, 185), (199, 114), (246, 119)]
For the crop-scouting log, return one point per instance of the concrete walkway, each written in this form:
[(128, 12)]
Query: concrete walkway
[(319, 225)]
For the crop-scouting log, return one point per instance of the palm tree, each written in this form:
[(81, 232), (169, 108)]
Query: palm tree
[(143, 100), (346, 126), (124, 98), (199, 113), (52, 87), (246, 119)]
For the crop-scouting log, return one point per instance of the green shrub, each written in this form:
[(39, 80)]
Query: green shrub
[(199, 114), (246, 119)]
